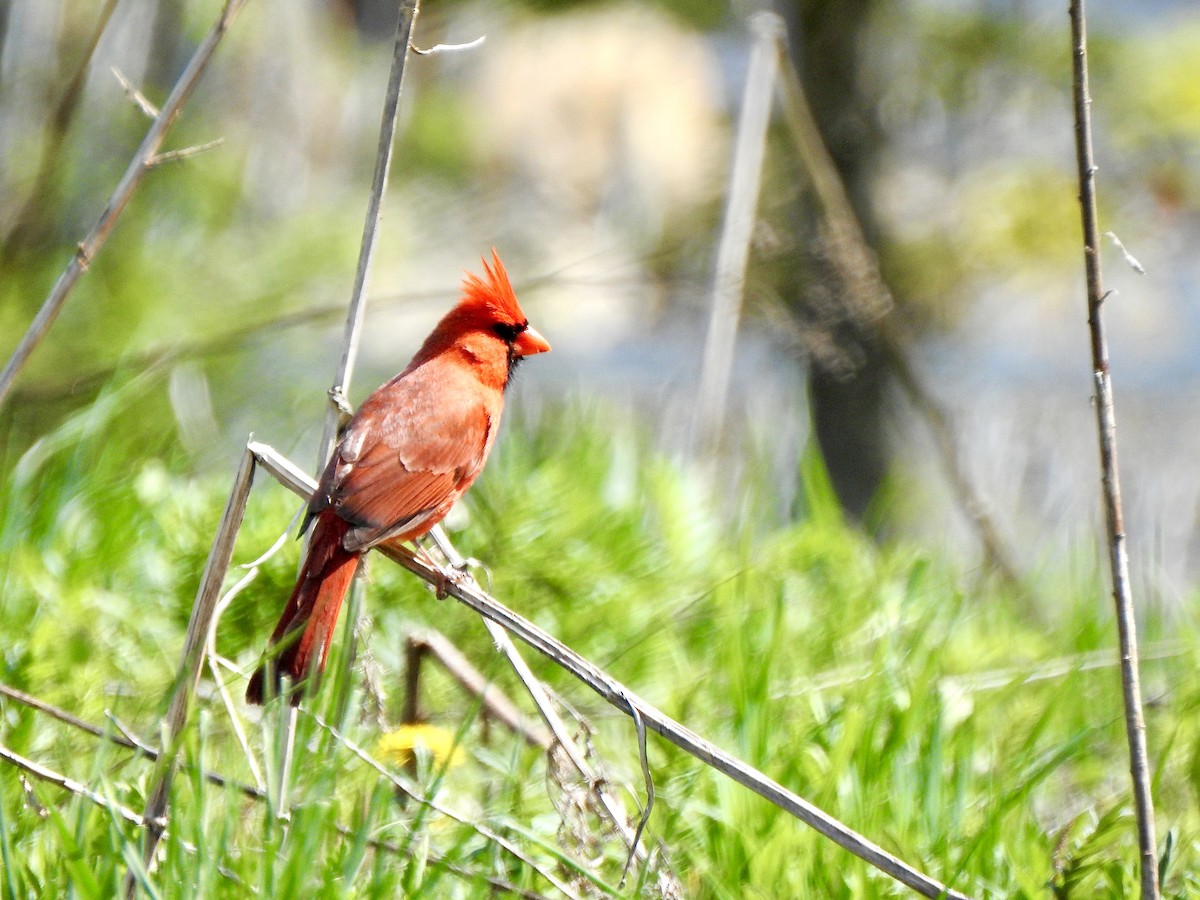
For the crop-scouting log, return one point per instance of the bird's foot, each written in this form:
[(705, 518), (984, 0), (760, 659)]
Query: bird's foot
[(460, 575), (455, 571)]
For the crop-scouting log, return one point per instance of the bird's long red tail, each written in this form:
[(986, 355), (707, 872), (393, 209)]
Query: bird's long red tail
[(312, 610)]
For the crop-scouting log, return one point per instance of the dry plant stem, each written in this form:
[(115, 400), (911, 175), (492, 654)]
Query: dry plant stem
[(138, 166), (614, 809), (383, 164), (855, 259), (733, 251), (611, 804), (620, 697), (1135, 726), (210, 651), (623, 699), (149, 110), (199, 627), (68, 784), (124, 739), (495, 705), (61, 714)]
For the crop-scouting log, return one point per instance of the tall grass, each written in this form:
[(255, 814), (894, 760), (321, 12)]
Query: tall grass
[(851, 673)]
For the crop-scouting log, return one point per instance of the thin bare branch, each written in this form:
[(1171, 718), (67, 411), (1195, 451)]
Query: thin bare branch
[(408, 10), (57, 713), (1106, 427), (199, 628), (69, 784), (129, 740), (611, 806), (616, 694), (139, 99), (86, 252), (125, 738), (495, 704), (171, 156), (499, 707)]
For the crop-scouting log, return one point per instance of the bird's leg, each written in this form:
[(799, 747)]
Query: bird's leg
[(337, 397), (462, 565), (447, 572)]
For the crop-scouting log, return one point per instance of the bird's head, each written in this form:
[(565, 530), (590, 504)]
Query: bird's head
[(491, 301), (487, 323)]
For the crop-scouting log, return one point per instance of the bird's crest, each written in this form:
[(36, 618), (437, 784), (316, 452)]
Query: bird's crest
[(494, 293)]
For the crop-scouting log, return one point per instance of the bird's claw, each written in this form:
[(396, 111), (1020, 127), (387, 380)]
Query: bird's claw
[(459, 575)]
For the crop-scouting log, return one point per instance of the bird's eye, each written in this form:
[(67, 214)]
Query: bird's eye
[(508, 331)]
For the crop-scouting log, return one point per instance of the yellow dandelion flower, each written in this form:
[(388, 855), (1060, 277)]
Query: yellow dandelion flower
[(401, 746)]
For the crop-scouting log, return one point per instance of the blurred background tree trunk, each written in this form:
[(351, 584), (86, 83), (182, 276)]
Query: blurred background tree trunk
[(848, 370)]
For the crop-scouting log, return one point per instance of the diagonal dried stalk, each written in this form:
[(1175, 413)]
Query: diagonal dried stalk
[(69, 784), (383, 165), (1106, 426), (615, 693), (141, 163), (495, 704), (610, 805), (199, 628)]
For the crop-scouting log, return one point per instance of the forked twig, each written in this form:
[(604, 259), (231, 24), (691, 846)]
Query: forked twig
[(86, 252), (623, 699), (1106, 427)]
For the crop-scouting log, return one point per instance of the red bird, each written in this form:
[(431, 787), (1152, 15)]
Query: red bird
[(412, 449)]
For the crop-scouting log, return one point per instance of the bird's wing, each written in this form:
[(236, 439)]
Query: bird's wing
[(413, 448)]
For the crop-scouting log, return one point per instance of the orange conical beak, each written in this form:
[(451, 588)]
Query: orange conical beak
[(529, 342)]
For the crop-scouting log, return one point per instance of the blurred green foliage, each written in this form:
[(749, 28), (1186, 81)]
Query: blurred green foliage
[(884, 684), (928, 713)]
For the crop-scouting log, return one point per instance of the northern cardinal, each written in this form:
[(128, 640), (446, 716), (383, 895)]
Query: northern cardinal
[(412, 449)]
